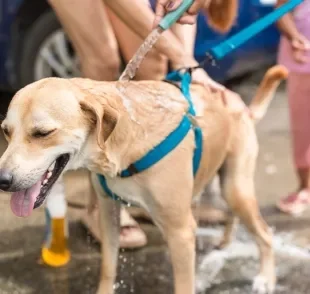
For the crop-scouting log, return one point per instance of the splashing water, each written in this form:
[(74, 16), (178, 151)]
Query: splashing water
[(135, 62), (121, 87), (88, 269), (132, 266), (133, 65)]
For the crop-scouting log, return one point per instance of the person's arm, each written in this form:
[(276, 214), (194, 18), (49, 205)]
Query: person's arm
[(139, 18), (187, 36), (286, 24), (300, 44)]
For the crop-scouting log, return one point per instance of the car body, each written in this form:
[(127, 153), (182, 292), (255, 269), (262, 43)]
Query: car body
[(25, 24)]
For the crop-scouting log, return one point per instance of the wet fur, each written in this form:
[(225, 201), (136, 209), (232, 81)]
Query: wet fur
[(106, 126)]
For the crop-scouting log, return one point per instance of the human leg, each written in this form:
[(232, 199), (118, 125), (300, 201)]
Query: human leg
[(298, 88), (155, 64), (91, 33)]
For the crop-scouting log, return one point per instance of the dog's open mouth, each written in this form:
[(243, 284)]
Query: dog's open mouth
[(23, 202)]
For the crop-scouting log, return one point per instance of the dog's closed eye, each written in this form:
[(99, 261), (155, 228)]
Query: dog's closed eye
[(42, 133), (6, 131)]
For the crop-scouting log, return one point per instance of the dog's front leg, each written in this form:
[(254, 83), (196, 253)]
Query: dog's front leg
[(181, 243), (109, 211), (109, 224), (178, 227)]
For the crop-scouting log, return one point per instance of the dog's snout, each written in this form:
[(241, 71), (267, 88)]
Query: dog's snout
[(6, 179)]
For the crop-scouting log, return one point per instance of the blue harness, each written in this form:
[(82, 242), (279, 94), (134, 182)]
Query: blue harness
[(169, 143)]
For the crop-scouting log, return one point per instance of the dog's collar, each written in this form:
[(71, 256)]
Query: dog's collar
[(170, 142)]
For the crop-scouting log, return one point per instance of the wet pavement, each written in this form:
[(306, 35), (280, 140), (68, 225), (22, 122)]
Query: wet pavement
[(148, 271)]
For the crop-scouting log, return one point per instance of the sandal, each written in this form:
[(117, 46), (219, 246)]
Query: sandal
[(296, 203), (131, 235)]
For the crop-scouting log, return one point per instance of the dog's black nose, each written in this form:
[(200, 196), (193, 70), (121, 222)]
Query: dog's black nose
[(6, 179)]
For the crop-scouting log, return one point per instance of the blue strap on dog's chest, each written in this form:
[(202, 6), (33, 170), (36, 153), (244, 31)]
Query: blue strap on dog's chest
[(186, 79), (167, 145)]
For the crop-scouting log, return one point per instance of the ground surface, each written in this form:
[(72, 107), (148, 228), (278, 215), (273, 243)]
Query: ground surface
[(148, 271)]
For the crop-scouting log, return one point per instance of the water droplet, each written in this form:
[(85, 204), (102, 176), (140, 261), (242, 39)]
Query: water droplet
[(116, 286), (271, 169), (268, 157)]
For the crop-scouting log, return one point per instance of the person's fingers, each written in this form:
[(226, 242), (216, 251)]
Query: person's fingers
[(165, 6), (162, 7), (197, 5), (301, 44), (160, 11), (300, 56), (187, 19), (173, 4), (296, 44), (215, 86), (306, 44), (201, 77)]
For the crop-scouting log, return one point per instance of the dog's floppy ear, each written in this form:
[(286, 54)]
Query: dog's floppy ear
[(103, 116), (222, 14)]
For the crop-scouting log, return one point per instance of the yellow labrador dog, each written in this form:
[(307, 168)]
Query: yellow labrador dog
[(56, 124)]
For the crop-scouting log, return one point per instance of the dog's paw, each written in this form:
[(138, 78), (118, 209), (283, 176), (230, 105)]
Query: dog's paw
[(263, 285)]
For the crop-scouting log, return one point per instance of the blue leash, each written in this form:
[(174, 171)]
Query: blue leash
[(169, 143), (221, 50)]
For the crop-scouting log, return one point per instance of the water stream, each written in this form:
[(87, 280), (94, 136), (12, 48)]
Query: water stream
[(133, 65)]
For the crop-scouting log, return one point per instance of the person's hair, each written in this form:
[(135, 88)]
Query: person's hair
[(221, 14)]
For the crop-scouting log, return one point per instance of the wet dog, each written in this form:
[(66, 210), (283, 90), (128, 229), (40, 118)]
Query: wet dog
[(56, 124)]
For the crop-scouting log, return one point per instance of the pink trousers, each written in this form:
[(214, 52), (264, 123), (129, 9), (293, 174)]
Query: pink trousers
[(298, 87)]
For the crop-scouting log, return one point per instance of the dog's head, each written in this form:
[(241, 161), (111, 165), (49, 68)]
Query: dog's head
[(50, 126)]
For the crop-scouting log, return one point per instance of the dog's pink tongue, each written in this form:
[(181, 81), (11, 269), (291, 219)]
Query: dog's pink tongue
[(22, 201)]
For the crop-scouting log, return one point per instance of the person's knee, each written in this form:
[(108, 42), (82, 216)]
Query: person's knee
[(154, 67), (101, 67), (93, 39)]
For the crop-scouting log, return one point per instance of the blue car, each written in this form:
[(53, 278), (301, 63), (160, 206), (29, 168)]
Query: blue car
[(33, 44)]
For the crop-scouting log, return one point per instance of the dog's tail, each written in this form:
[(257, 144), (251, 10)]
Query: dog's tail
[(266, 91)]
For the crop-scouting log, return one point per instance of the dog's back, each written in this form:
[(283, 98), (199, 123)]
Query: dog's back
[(227, 130)]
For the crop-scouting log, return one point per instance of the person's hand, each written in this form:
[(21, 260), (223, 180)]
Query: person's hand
[(231, 99), (300, 45), (200, 76), (165, 6)]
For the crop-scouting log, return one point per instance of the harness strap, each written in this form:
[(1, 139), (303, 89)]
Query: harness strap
[(168, 144), (186, 79), (161, 150), (104, 185), (198, 149), (173, 83)]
